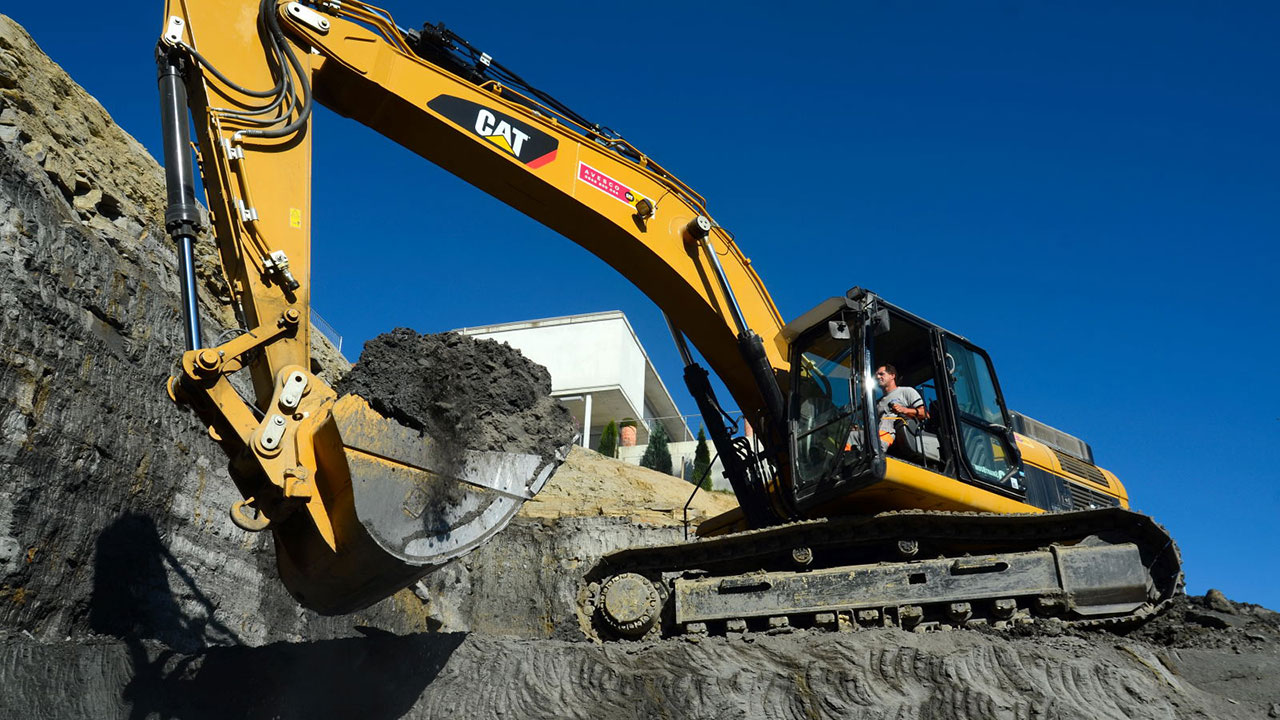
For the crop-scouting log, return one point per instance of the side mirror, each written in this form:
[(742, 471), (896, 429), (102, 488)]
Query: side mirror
[(880, 322)]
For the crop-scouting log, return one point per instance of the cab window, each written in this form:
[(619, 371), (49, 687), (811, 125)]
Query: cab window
[(824, 402), (980, 415), (908, 347), (975, 390)]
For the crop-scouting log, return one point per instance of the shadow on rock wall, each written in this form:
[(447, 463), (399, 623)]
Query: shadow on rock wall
[(190, 665), (377, 676), (132, 599)]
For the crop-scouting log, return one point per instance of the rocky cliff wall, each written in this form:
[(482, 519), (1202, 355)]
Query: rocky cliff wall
[(113, 502)]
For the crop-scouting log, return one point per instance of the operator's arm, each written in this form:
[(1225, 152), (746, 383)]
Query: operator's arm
[(914, 409), (915, 413)]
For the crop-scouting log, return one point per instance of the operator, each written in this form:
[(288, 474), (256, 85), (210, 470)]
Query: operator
[(898, 402)]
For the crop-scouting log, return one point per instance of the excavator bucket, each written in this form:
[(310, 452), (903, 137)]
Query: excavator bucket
[(400, 504)]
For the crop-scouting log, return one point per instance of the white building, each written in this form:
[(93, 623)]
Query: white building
[(598, 370)]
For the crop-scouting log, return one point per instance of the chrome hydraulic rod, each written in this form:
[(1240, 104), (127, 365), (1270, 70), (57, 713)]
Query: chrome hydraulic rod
[(182, 216), (682, 345), (749, 342), (700, 228)]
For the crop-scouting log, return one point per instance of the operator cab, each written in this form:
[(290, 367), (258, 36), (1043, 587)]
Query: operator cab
[(836, 449)]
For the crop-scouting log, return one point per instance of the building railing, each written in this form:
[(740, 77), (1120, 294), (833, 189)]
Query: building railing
[(326, 329)]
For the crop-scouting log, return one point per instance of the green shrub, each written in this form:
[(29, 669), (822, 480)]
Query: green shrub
[(609, 440), (657, 456)]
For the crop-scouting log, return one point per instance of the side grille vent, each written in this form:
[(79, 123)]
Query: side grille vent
[(1083, 498), (1052, 437), (1080, 468)]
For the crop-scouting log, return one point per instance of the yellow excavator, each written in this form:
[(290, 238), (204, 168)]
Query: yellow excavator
[(949, 510)]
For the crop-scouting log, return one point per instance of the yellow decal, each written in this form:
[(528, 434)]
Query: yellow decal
[(501, 141), (295, 218)]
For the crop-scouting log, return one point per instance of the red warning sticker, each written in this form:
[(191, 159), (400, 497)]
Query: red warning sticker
[(608, 185)]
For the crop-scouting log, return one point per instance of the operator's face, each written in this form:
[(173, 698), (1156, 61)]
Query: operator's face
[(884, 378)]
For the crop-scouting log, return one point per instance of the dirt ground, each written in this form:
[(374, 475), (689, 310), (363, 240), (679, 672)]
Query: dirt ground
[(589, 484)]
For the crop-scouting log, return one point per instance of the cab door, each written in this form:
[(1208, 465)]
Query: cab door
[(983, 434), (831, 414)]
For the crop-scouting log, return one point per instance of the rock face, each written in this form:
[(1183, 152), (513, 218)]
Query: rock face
[(113, 503), (125, 591)]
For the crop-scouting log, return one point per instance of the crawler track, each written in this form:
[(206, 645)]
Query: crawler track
[(913, 569)]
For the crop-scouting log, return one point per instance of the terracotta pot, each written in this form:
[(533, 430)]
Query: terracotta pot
[(627, 436)]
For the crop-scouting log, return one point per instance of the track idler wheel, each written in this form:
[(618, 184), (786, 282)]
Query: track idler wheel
[(629, 604)]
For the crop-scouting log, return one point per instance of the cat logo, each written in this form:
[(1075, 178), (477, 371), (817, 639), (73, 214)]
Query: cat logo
[(513, 137), (499, 132)]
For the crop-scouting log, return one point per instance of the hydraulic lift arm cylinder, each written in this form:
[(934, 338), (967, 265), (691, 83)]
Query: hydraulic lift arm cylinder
[(182, 215)]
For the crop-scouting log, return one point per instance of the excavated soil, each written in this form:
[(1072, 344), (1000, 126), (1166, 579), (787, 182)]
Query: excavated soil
[(125, 591), (479, 394), (464, 394)]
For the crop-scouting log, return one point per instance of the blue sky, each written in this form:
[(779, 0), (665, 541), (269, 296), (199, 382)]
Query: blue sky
[(1088, 190)]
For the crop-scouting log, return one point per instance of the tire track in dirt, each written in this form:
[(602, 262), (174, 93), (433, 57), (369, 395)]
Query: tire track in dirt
[(872, 674)]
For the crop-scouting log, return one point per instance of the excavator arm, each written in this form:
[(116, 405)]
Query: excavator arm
[(332, 479)]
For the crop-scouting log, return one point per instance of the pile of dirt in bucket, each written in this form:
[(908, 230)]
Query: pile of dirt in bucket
[(478, 393)]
